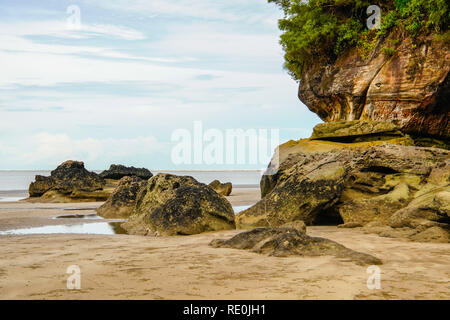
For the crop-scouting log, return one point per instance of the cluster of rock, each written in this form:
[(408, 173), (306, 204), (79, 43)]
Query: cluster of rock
[(70, 181), (352, 173), (166, 204)]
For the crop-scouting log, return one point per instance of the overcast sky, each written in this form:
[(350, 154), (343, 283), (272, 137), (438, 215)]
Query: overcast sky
[(114, 90)]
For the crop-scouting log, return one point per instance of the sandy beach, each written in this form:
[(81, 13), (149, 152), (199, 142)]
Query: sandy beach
[(134, 267)]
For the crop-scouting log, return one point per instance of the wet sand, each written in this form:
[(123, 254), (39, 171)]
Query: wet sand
[(133, 267)]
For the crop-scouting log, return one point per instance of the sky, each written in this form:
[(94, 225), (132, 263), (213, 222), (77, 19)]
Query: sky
[(111, 81)]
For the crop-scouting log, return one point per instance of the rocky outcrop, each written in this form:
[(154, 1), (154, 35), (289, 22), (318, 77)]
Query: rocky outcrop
[(284, 242), (410, 88), (70, 181), (179, 205), (329, 136), (309, 187), (118, 171), (223, 189), (122, 201), (361, 182)]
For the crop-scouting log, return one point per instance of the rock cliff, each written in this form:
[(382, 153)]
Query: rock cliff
[(410, 87), (358, 174)]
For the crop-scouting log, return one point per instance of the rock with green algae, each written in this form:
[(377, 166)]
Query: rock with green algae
[(356, 128), (178, 205), (300, 194), (329, 136), (69, 182), (376, 182), (118, 171), (121, 202)]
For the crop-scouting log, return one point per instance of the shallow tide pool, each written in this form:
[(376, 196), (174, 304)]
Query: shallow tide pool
[(104, 228)]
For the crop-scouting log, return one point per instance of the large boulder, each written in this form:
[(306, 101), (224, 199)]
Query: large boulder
[(122, 201), (179, 205), (118, 171), (223, 189), (70, 181), (305, 190), (285, 241)]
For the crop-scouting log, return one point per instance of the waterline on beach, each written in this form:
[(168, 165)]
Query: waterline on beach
[(92, 216), (103, 228)]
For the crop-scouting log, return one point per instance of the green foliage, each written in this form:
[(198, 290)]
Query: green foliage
[(323, 29), (388, 51)]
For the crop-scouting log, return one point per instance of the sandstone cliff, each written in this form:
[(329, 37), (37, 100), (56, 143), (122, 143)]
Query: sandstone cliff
[(410, 87)]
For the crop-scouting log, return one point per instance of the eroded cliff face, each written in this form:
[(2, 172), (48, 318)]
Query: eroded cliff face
[(410, 87)]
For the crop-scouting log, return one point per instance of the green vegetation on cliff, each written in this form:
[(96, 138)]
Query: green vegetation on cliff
[(323, 29)]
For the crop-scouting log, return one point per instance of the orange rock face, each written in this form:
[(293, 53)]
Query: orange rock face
[(410, 88)]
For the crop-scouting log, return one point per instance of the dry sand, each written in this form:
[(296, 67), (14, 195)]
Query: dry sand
[(133, 267)]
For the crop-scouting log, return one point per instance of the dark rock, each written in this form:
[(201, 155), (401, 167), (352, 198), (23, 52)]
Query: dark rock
[(284, 242), (303, 191), (40, 186), (70, 180), (179, 205), (121, 202), (223, 189), (117, 171), (71, 176)]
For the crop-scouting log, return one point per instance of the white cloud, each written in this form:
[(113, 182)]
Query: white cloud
[(230, 10), (10, 43), (61, 29), (197, 39), (56, 148), (214, 70)]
